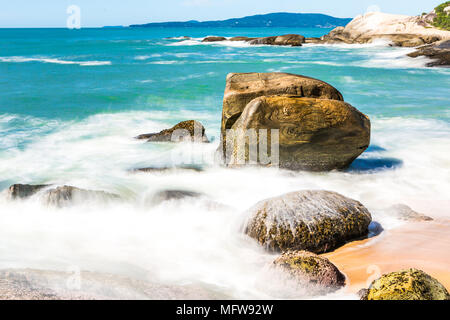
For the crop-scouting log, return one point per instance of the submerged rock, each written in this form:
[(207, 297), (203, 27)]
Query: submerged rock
[(214, 39), (314, 134), (167, 195), (316, 221), (439, 52), (22, 191), (166, 169), (240, 39), (68, 195), (312, 272), (410, 284), (190, 130), (403, 212)]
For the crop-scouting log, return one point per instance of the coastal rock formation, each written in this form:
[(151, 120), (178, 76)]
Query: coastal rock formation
[(316, 221), (190, 130), (315, 273), (439, 52), (294, 40), (314, 134), (68, 195), (403, 212), (241, 88), (403, 31), (214, 39), (166, 195), (22, 191), (411, 284)]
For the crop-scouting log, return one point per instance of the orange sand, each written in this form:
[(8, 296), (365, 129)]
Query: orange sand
[(421, 245)]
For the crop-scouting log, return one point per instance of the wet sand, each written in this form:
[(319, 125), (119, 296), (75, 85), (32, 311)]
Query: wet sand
[(421, 245)]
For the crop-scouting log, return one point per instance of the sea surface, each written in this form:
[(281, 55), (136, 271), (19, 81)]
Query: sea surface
[(71, 102)]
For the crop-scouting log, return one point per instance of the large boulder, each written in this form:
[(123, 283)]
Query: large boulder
[(190, 130), (316, 221), (22, 191), (315, 273), (166, 195), (67, 195), (314, 134), (410, 284), (241, 88)]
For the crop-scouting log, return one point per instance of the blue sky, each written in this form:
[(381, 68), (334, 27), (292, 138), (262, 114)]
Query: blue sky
[(94, 13)]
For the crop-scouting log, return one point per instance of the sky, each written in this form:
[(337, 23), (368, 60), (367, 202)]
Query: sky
[(97, 13)]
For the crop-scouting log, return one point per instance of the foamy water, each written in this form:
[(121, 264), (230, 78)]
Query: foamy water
[(77, 128)]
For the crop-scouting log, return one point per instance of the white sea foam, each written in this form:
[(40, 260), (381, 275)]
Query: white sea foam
[(191, 240), (19, 59)]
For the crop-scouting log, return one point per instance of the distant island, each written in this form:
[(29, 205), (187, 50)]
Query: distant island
[(276, 20)]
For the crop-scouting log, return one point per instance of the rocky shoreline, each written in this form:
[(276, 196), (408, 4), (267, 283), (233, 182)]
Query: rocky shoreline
[(397, 30), (318, 132)]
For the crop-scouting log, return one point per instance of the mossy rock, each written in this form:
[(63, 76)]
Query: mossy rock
[(315, 273), (316, 221), (190, 130), (410, 284)]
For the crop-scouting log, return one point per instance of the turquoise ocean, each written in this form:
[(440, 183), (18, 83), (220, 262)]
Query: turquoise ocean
[(71, 102)]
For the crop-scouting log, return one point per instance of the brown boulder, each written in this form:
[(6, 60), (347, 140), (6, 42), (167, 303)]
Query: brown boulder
[(312, 272), (438, 52), (187, 130), (314, 134), (241, 88), (294, 40), (68, 195)]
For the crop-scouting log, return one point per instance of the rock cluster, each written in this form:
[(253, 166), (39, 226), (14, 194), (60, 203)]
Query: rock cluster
[(189, 130), (294, 40)]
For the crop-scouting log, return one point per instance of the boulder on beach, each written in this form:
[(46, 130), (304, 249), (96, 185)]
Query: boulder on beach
[(68, 195), (314, 273), (314, 134), (214, 39), (410, 284), (439, 52), (403, 212), (189, 130), (22, 191), (315, 221)]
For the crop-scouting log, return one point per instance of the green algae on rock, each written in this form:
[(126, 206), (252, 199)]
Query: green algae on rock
[(315, 273), (409, 284), (316, 221)]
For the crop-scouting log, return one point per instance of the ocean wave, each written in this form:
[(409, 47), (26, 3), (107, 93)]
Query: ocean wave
[(19, 59)]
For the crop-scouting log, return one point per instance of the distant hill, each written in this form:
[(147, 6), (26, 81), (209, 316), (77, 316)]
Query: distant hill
[(276, 20)]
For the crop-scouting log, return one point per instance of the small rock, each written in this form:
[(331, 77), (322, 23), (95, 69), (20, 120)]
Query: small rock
[(167, 195), (214, 39), (403, 212), (68, 195), (314, 273), (187, 130)]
